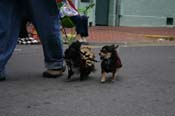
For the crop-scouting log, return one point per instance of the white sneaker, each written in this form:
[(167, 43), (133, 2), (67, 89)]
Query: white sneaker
[(80, 40), (84, 40)]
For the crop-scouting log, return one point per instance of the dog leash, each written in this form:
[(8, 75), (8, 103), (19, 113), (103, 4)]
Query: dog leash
[(88, 57)]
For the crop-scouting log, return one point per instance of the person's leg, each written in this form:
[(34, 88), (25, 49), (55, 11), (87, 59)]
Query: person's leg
[(81, 23), (23, 34), (78, 23), (84, 26), (78, 26), (45, 18), (23, 31), (9, 31)]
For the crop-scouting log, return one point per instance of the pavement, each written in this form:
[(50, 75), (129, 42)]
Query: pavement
[(144, 86)]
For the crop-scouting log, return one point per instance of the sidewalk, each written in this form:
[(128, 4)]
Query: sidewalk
[(107, 34)]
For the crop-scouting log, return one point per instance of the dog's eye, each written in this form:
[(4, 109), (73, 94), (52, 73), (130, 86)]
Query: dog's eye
[(104, 51)]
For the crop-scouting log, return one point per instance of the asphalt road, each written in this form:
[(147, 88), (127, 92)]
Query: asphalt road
[(144, 87)]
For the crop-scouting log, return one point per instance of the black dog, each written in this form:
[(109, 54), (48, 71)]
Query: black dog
[(79, 59), (110, 61)]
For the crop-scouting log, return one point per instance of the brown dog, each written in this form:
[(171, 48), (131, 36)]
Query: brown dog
[(110, 61), (79, 59)]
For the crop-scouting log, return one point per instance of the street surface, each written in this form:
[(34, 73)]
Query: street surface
[(145, 86)]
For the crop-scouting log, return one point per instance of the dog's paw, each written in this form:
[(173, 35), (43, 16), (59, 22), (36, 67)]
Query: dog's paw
[(103, 80)]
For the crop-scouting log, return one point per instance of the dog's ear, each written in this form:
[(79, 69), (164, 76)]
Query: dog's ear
[(116, 46)]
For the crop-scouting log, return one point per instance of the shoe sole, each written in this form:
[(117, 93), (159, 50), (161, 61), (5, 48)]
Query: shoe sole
[(48, 75)]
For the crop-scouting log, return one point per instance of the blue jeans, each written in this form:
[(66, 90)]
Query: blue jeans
[(43, 14)]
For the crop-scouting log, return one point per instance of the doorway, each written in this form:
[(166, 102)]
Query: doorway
[(101, 14)]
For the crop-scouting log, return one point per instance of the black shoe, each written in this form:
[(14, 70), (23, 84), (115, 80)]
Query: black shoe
[(2, 78), (53, 73)]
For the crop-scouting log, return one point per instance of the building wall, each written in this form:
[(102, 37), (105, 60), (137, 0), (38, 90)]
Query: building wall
[(91, 12), (146, 12), (149, 13), (112, 13)]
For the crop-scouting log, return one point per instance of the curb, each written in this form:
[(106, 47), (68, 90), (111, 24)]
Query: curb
[(170, 38), (129, 44)]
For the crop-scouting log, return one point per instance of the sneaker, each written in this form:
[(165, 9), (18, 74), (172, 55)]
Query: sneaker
[(80, 40), (84, 39), (53, 73)]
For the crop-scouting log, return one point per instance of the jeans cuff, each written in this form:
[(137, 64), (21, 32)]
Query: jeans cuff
[(55, 65)]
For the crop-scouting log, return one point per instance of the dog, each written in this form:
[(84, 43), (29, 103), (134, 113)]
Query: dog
[(110, 61), (79, 59)]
